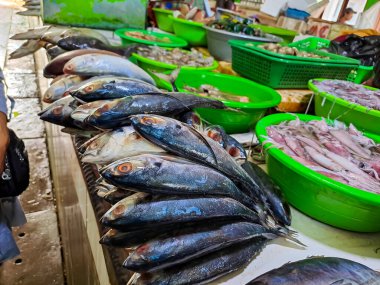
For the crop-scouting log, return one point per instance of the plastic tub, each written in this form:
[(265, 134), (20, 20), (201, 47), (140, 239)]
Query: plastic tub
[(218, 46), (172, 41), (157, 66), (285, 71), (247, 114), (164, 22), (316, 195), (296, 14), (193, 32), (358, 75), (286, 35), (330, 106)]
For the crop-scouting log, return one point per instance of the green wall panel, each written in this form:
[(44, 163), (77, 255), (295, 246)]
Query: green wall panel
[(102, 14)]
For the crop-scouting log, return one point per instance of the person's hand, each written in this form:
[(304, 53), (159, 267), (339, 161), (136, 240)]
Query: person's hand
[(4, 140)]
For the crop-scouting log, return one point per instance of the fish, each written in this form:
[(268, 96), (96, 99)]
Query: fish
[(164, 174), (318, 271), (86, 42), (59, 77), (190, 243), (55, 67), (112, 87), (54, 36), (57, 90), (273, 194), (117, 144), (104, 64), (183, 140), (111, 193), (36, 33), (117, 112), (29, 47), (132, 214), (55, 51), (30, 12), (59, 113), (231, 145), (207, 268)]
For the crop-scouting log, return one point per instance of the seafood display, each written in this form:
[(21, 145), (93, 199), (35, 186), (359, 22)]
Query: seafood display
[(352, 92), (278, 48), (141, 36), (235, 26), (208, 90), (319, 270), (176, 56), (335, 151), (194, 14)]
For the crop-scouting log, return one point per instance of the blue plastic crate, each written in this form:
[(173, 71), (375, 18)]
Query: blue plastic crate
[(296, 14)]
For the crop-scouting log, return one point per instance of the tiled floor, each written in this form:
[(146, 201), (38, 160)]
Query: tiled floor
[(40, 261)]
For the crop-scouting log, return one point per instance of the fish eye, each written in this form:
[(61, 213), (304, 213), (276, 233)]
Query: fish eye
[(57, 110), (125, 167), (89, 89), (93, 145), (102, 109), (148, 121), (234, 151), (214, 136), (196, 119)]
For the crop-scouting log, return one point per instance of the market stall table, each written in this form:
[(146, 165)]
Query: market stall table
[(321, 239)]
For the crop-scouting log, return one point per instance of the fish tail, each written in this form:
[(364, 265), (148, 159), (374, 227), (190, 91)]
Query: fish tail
[(290, 235)]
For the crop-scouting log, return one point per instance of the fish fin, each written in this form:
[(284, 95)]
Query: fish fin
[(290, 235), (204, 140)]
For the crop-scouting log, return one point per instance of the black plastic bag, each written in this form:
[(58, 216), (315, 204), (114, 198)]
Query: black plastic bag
[(365, 49), (15, 178)]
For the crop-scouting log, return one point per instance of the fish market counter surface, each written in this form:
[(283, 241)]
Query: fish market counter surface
[(320, 239)]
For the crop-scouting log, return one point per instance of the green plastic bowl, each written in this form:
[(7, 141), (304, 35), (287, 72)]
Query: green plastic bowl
[(193, 32), (158, 66), (330, 106), (287, 35), (316, 195), (163, 19), (173, 43), (246, 114)]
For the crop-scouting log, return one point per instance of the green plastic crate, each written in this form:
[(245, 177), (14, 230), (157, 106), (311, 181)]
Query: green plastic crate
[(286, 35), (282, 71), (357, 75)]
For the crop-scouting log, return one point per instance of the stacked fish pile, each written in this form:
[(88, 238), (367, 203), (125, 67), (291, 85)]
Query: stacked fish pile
[(336, 151), (352, 92), (185, 200)]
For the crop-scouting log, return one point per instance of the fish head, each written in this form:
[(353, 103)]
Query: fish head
[(59, 111), (107, 237), (122, 207), (86, 110), (123, 168), (147, 122), (87, 88), (104, 111)]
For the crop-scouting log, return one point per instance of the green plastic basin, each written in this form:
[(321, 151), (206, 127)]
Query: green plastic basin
[(158, 66), (172, 43), (286, 35), (316, 195), (330, 106), (193, 32), (164, 22), (242, 116)]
